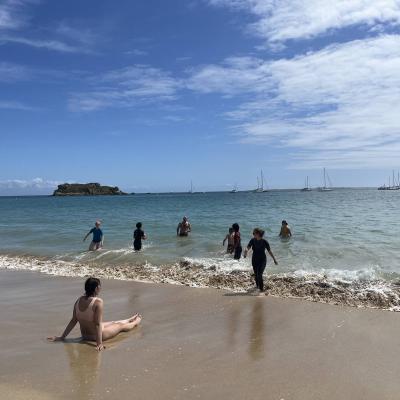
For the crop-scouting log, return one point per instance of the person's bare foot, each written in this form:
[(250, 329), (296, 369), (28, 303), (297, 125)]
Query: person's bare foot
[(133, 318)]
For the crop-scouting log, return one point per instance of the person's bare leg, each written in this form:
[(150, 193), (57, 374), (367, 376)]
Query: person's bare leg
[(121, 321), (112, 329)]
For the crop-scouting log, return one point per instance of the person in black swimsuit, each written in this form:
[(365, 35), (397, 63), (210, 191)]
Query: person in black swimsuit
[(138, 235), (259, 258), (237, 242)]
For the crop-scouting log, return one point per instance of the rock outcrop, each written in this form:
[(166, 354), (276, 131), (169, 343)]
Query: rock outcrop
[(86, 189)]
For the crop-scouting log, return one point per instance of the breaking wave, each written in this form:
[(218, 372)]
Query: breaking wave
[(351, 288)]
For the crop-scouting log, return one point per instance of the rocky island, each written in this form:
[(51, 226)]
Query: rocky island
[(86, 189)]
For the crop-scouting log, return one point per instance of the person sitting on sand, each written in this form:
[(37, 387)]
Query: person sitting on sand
[(259, 258), (138, 236), (97, 241), (229, 238), (184, 227), (285, 232), (88, 311), (237, 243)]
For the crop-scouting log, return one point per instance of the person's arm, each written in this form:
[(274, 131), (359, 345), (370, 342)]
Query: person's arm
[(246, 250), (189, 227), (87, 235), (67, 330), (289, 232), (226, 238), (144, 236), (178, 229), (98, 321), (280, 233), (273, 257)]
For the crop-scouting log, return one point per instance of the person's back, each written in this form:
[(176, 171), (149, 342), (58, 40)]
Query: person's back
[(85, 313), (138, 236)]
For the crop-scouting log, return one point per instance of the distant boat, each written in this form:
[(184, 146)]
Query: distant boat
[(326, 188), (260, 184), (234, 190), (306, 188), (392, 185)]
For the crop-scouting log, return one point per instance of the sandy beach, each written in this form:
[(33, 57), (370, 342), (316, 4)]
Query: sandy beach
[(193, 344)]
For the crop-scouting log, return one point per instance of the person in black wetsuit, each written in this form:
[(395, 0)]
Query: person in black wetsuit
[(259, 260), (138, 236)]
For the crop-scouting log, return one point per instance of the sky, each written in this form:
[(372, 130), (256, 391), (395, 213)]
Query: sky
[(148, 95)]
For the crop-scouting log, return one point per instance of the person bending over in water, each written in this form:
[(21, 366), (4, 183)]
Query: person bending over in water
[(285, 232), (184, 227), (138, 236), (97, 241), (237, 243), (259, 258), (88, 311), (229, 238)]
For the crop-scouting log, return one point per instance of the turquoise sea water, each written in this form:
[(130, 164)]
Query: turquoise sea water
[(347, 232)]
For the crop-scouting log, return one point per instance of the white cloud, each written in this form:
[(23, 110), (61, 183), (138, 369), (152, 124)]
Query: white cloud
[(281, 20), (234, 75), (10, 72), (36, 183), (44, 44), (15, 105), (12, 15), (15, 28), (340, 104), (127, 87)]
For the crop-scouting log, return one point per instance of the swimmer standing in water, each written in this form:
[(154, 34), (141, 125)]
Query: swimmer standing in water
[(138, 236), (237, 243), (98, 238), (184, 227), (259, 259), (88, 311), (229, 238), (285, 232)]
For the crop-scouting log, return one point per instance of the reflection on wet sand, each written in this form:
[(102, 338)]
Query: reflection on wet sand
[(257, 330), (233, 325), (84, 364)]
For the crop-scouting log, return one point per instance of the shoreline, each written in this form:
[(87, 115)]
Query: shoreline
[(375, 294), (193, 343)]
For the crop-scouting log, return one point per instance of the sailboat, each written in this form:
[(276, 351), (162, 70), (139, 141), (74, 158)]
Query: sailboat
[(191, 188), (326, 188), (234, 190), (260, 188), (306, 188)]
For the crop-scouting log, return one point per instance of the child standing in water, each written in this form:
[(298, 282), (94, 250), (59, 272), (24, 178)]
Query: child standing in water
[(237, 243), (138, 236), (229, 238), (259, 259), (285, 232)]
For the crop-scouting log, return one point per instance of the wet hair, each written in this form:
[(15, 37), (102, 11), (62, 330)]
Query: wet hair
[(284, 222), (91, 284), (235, 227), (139, 225), (258, 231)]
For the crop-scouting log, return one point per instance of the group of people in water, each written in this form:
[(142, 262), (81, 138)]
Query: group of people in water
[(88, 309)]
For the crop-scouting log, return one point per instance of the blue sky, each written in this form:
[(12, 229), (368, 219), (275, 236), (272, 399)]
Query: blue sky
[(149, 95)]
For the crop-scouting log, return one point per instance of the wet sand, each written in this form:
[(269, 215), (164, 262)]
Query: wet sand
[(193, 344)]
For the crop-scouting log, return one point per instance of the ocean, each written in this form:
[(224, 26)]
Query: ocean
[(344, 249)]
